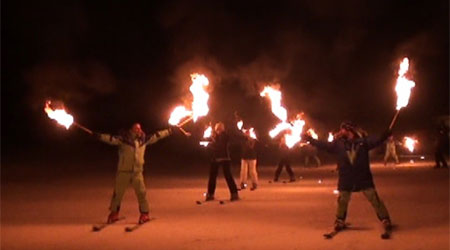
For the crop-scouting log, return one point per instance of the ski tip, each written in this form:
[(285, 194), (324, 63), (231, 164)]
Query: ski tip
[(198, 202), (128, 229), (221, 202), (327, 236), (95, 229), (385, 236)]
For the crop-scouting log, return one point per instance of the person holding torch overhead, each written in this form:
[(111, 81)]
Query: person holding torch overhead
[(132, 145), (351, 147)]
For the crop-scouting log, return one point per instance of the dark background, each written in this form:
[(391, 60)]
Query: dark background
[(114, 63)]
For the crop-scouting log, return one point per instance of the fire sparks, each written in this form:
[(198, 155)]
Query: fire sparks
[(59, 115), (294, 128), (199, 103), (313, 133), (410, 143), (330, 137), (404, 85)]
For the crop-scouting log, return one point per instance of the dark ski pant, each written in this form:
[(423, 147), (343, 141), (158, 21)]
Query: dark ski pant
[(213, 171), (281, 164), (372, 197), (123, 180), (439, 158)]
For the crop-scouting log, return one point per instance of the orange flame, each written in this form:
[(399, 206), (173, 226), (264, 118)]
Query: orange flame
[(177, 114), (252, 133), (275, 99), (206, 134), (313, 133), (404, 85), (200, 102), (410, 143), (294, 127), (59, 115), (330, 137), (293, 137), (240, 124)]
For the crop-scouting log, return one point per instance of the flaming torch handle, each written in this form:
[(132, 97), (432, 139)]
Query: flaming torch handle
[(184, 131), (185, 121), (394, 119), (83, 128)]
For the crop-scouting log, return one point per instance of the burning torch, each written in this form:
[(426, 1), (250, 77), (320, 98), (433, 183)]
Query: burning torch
[(403, 89), (294, 128), (62, 117), (410, 143), (199, 104)]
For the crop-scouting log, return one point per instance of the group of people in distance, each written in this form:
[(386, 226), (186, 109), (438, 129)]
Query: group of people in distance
[(351, 148)]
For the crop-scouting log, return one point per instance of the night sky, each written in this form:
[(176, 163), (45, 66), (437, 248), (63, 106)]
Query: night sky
[(117, 62)]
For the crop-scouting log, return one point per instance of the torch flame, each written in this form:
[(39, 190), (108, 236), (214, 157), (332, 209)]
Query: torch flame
[(275, 99), (410, 143), (200, 102), (404, 85), (240, 124), (177, 114), (206, 134), (330, 137), (280, 127), (252, 133), (59, 115), (294, 128), (295, 131), (313, 133)]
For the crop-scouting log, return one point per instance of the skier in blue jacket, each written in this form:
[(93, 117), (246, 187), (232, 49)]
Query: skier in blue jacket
[(351, 147)]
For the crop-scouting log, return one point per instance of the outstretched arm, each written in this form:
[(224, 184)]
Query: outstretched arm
[(373, 142), (158, 136), (107, 138), (322, 145)]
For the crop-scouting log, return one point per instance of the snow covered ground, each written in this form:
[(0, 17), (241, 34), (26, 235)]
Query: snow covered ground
[(58, 213)]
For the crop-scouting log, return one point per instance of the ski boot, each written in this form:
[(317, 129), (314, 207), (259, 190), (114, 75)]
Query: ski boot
[(112, 217), (209, 197), (143, 218), (387, 225), (339, 224), (234, 197)]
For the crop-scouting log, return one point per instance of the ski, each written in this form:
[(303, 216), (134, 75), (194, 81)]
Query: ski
[(387, 233), (333, 233), (221, 202), (99, 227), (137, 225)]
